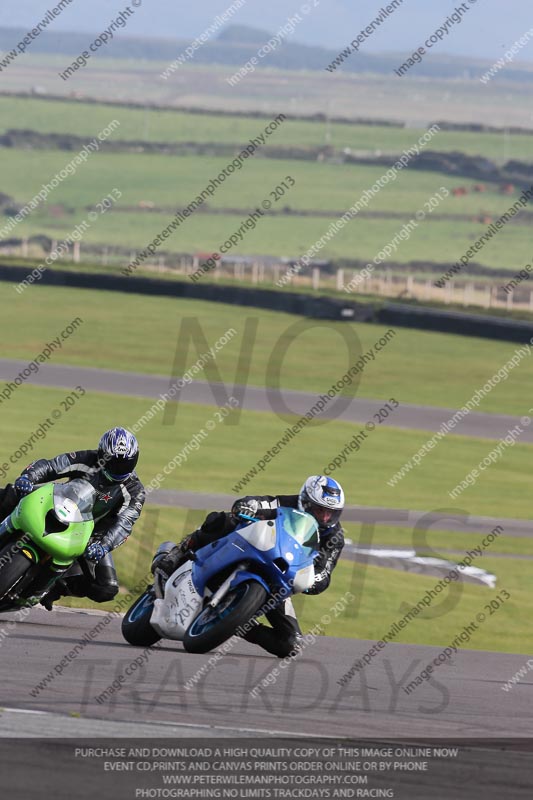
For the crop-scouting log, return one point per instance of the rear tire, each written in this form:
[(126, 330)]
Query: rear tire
[(213, 626), (15, 567), (136, 628)]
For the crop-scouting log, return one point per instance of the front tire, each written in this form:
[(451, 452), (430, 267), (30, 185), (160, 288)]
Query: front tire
[(136, 628), (213, 626), (15, 567)]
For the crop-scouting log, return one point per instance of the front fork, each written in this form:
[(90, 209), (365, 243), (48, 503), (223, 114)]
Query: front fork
[(43, 572), (45, 579), (215, 599), (6, 528)]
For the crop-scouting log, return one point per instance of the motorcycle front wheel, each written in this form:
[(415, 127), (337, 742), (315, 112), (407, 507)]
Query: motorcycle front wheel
[(14, 567), (213, 626), (136, 628)]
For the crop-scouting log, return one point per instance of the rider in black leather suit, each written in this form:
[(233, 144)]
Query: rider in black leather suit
[(320, 496)]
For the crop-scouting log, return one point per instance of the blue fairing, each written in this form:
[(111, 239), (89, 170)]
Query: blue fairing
[(295, 546)]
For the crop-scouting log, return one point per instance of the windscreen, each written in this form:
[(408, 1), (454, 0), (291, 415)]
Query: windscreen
[(74, 501), (301, 526)]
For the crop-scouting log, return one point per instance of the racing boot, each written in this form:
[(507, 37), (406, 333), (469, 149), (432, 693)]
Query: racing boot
[(284, 646), (50, 597), (169, 556)]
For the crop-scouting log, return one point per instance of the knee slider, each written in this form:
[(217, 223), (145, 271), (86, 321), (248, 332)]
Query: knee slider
[(290, 646)]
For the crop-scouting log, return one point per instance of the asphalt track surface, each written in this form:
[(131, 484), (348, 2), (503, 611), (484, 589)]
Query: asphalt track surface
[(256, 398), (462, 703), (462, 700)]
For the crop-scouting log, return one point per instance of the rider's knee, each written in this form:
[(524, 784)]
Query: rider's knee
[(289, 647), (102, 594)]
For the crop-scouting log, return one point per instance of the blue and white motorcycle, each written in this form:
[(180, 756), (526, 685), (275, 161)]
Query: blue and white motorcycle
[(227, 583)]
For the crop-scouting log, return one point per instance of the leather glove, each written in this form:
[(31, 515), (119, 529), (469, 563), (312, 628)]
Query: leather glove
[(96, 551), (247, 506), (320, 562), (23, 486)]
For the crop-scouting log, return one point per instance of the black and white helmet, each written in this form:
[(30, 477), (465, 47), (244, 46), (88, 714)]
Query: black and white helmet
[(323, 498)]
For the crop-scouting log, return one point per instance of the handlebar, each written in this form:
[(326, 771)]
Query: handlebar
[(267, 513)]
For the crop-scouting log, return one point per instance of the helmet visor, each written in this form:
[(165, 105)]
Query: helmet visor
[(118, 468), (326, 517)]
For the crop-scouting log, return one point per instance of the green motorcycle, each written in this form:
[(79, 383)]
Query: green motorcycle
[(49, 529)]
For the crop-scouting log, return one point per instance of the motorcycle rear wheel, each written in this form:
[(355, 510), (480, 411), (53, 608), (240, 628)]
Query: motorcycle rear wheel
[(213, 626)]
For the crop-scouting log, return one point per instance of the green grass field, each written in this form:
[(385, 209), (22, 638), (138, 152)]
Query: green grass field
[(228, 452), (129, 332), (167, 126), (288, 237), (382, 596), (174, 181)]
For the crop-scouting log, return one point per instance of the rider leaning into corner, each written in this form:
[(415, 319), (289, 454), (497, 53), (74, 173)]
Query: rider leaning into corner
[(321, 497), (111, 470)]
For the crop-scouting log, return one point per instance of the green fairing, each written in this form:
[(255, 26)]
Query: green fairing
[(30, 517)]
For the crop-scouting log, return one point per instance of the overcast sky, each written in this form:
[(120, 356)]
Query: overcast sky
[(488, 29)]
